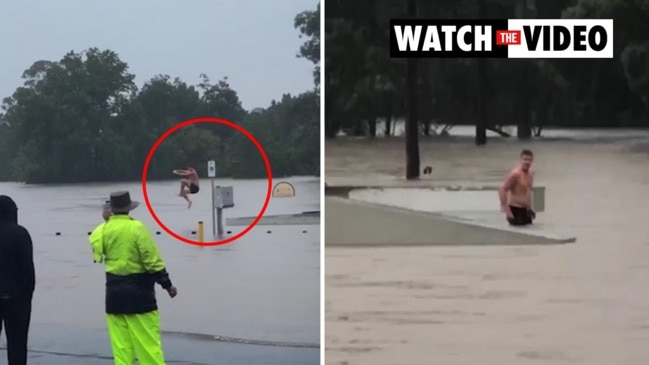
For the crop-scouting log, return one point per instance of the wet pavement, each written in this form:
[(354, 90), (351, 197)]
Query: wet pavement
[(583, 303), (57, 345), (260, 295)]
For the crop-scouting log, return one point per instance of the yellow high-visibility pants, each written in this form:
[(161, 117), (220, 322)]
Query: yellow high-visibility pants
[(134, 335)]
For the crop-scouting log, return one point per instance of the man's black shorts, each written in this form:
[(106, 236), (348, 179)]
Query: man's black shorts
[(193, 188), (522, 216)]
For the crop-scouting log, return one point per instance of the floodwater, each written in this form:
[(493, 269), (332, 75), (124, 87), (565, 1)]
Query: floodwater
[(581, 303), (261, 293)]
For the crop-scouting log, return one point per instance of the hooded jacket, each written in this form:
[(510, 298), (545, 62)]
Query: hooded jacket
[(17, 276)]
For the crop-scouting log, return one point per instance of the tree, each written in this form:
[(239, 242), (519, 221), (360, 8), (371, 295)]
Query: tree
[(308, 23), (82, 119), (160, 104), (220, 101), (6, 151), (366, 88), (62, 116), (635, 59)]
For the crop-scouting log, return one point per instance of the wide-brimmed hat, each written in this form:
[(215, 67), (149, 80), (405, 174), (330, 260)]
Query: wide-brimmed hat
[(120, 202)]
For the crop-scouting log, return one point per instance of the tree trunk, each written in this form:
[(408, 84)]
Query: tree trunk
[(372, 110), (481, 124), (524, 130), (388, 126), (332, 129), (372, 126), (412, 130), (331, 125)]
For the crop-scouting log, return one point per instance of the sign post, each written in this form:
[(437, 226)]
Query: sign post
[(211, 173), (224, 198), (218, 206), (219, 221)]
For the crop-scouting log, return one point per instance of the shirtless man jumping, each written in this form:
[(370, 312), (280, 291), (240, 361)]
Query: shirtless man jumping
[(188, 185), (516, 192)]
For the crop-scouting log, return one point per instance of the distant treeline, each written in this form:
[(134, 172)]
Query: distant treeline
[(363, 84), (83, 119)]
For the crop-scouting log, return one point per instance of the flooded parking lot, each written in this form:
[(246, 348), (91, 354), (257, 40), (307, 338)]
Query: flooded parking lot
[(583, 303), (254, 301)]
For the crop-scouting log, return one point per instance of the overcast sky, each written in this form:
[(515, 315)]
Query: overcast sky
[(253, 42)]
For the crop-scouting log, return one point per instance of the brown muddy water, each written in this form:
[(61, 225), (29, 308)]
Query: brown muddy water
[(581, 303), (260, 295)]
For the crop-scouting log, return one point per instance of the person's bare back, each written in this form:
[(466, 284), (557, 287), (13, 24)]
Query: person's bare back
[(192, 176)]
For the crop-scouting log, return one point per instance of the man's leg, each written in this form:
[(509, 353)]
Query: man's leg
[(531, 215), (519, 216), (184, 189), (120, 339), (145, 330), (17, 318), (184, 186)]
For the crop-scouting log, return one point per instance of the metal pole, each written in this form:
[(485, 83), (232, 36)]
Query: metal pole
[(219, 221), (213, 207)]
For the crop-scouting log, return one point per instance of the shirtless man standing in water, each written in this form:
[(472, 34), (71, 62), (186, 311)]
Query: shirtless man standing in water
[(188, 185), (516, 192)]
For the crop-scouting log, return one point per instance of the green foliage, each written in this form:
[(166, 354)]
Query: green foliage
[(82, 119), (308, 22), (364, 85)]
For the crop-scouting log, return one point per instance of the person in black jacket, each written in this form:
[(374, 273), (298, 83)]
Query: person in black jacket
[(17, 281)]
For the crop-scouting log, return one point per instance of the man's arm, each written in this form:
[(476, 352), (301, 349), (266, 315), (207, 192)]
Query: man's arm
[(96, 244), (27, 262), (506, 187), (182, 172), (151, 258)]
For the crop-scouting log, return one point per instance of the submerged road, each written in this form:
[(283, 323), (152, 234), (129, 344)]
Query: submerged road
[(260, 295)]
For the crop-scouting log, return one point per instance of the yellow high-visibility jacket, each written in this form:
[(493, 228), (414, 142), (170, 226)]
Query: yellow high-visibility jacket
[(133, 264)]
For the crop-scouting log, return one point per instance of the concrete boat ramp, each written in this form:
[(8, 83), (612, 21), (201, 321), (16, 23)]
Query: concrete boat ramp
[(304, 218), (418, 216)]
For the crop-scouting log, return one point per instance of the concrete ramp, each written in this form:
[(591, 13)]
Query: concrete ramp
[(441, 199), (304, 218), (352, 223), (491, 220)]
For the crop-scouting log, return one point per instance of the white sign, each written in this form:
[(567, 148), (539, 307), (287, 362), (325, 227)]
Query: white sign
[(211, 168)]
